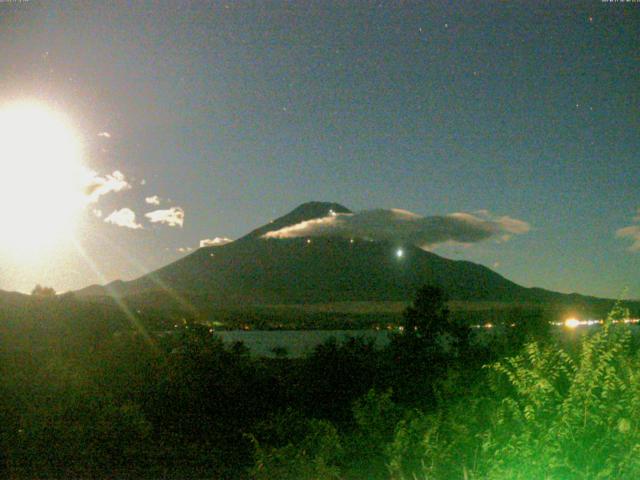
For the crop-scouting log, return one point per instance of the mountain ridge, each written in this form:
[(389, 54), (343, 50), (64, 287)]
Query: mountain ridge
[(258, 270)]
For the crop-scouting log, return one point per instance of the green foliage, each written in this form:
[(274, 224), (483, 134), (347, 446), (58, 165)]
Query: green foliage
[(312, 451), (90, 397), (565, 418), (78, 436), (375, 415), (443, 444), (336, 374), (548, 414)]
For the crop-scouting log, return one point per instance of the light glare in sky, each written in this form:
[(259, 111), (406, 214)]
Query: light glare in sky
[(42, 182)]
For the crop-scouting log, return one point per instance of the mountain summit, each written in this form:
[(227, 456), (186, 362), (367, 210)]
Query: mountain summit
[(305, 212)]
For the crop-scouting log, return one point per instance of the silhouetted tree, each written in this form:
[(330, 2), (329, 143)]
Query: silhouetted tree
[(428, 345), (428, 314), (40, 291), (428, 323)]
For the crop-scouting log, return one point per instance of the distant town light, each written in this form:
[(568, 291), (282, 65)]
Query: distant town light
[(400, 253), (571, 322)]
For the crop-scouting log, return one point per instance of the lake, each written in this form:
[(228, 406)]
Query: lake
[(298, 343)]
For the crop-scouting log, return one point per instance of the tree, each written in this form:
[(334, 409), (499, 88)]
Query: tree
[(429, 342), (428, 314), (428, 324), (40, 291)]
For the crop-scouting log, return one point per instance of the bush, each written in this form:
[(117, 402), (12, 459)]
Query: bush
[(569, 418), (551, 415), (312, 451), (376, 416)]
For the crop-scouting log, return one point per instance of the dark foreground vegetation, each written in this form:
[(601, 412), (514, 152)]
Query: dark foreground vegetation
[(84, 398)]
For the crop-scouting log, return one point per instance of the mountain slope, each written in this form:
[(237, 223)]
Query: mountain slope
[(255, 270)]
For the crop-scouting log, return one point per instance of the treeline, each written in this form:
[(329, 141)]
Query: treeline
[(116, 402)]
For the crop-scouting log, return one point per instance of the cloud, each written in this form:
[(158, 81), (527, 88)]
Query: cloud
[(174, 216), (407, 227), (97, 186), (214, 242), (125, 217), (153, 200), (633, 232), (104, 134), (185, 249)]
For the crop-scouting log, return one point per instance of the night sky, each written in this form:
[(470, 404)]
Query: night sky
[(235, 113)]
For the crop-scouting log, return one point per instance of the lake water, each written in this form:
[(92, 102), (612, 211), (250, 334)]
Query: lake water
[(297, 342)]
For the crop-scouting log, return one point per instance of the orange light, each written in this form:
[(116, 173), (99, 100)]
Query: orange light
[(571, 322)]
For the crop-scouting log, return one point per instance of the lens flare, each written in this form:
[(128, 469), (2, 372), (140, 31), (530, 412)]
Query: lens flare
[(42, 181)]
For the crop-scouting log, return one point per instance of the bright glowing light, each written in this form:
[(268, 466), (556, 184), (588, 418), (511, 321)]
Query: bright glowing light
[(42, 179), (571, 322), (400, 253)]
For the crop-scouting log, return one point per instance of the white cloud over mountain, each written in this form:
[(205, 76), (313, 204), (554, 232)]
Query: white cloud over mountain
[(408, 227), (125, 217), (214, 242), (173, 217)]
